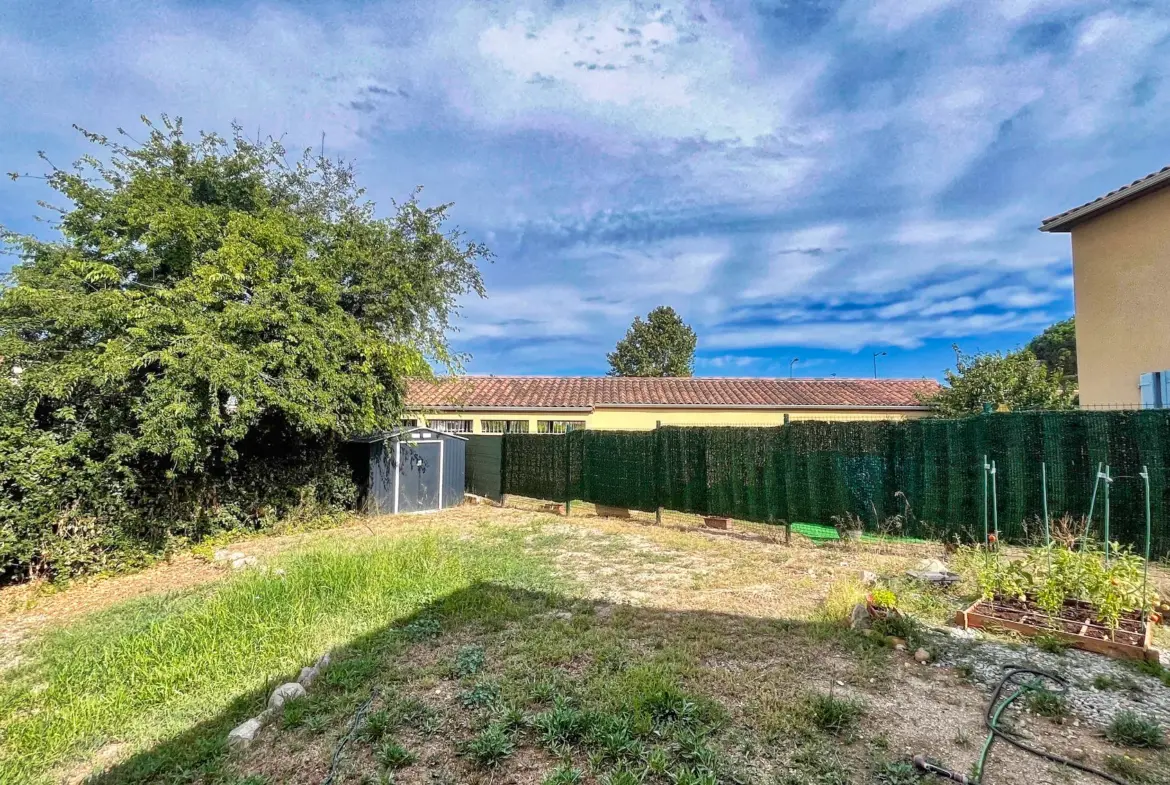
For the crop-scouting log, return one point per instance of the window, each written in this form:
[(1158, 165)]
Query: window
[(504, 426), (1155, 390), (559, 426), (452, 426), (409, 423)]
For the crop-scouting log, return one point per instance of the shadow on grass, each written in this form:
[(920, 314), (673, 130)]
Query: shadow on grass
[(542, 634)]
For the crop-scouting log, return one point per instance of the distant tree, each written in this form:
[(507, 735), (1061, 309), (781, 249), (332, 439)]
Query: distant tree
[(1056, 347), (662, 345), (1017, 380)]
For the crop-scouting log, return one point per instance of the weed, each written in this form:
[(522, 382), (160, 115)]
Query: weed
[(565, 775), (1047, 704), (393, 755), (468, 662), (422, 629), (1153, 668), (693, 777), (510, 717), (833, 714), (897, 773), (294, 712), (884, 598), (896, 626), (415, 714), (376, 725), (1129, 769), (965, 671), (483, 693), (561, 726), (961, 739), (1130, 729), (490, 747), (1052, 644)]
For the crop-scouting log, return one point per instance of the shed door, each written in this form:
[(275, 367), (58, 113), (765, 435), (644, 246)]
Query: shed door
[(420, 475)]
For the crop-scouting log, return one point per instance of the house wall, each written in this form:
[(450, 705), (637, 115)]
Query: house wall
[(1121, 271), (645, 418)]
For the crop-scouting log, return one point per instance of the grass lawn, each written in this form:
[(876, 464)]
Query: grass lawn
[(506, 647)]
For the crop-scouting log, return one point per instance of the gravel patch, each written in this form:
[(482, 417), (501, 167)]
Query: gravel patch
[(987, 661)]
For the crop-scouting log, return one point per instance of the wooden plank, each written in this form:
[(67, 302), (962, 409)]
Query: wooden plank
[(972, 618)]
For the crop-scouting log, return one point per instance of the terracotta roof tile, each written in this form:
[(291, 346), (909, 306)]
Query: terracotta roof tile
[(1114, 198), (474, 392)]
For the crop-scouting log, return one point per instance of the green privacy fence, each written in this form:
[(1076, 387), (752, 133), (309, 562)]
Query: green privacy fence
[(812, 470)]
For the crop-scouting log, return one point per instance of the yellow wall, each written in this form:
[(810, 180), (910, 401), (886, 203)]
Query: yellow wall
[(645, 419), (1121, 269)]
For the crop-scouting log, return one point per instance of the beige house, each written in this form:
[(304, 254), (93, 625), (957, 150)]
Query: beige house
[(1121, 275), (545, 404)]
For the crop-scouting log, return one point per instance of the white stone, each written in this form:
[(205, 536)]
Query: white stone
[(322, 662), (868, 578), (308, 676), (242, 562), (243, 734), (283, 693), (222, 554), (922, 656)]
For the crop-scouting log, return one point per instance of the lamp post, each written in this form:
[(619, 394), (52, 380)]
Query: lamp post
[(875, 356), (795, 360)]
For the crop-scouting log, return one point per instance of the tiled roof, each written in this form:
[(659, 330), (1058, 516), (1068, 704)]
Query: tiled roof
[(1125, 193), (481, 392)]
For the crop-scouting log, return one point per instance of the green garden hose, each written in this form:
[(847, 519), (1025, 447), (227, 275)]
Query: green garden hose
[(1024, 680)]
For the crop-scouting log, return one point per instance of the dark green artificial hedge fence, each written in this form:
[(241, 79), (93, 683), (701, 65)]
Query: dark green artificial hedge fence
[(811, 470)]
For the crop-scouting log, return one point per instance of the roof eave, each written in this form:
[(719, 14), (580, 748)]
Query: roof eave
[(768, 407), (1066, 222)]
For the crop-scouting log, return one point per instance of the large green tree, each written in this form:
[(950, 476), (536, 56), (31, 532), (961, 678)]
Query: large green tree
[(210, 323), (1016, 380), (661, 345), (1056, 347)]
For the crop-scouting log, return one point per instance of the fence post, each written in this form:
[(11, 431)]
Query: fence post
[(1108, 482), (656, 466), (568, 473)]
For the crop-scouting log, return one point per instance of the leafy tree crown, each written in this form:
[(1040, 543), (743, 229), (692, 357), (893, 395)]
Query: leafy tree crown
[(661, 345)]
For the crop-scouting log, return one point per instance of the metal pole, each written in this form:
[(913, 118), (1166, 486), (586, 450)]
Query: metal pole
[(1146, 566), (657, 473), (1108, 482), (994, 503), (986, 466), (1044, 494), (1093, 500)]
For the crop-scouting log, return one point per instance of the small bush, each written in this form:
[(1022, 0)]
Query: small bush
[(1129, 769), (1051, 644), (561, 726), (1130, 729), (1047, 704), (491, 746), (376, 725), (896, 626), (393, 755), (484, 693), (833, 714), (422, 628), (294, 712)]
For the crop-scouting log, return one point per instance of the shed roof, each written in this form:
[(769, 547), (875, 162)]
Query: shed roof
[(587, 392), (382, 436), (1064, 222)]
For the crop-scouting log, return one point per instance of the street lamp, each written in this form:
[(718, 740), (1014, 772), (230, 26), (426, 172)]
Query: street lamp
[(875, 356), (795, 360)]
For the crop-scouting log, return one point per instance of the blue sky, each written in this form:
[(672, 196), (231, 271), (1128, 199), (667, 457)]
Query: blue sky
[(798, 178)]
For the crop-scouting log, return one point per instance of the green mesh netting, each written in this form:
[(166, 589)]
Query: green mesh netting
[(811, 471)]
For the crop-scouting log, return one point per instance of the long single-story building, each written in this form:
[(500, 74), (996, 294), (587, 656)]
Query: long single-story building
[(555, 404)]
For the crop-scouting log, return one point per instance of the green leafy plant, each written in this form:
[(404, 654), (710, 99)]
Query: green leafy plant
[(1047, 704), (393, 755), (1130, 729), (468, 661), (883, 598), (565, 775), (490, 746)]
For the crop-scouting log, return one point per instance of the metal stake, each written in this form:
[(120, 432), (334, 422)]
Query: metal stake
[(986, 466), (994, 503), (1093, 500), (1108, 482)]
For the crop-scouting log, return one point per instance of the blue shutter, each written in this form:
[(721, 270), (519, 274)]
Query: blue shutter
[(1151, 389)]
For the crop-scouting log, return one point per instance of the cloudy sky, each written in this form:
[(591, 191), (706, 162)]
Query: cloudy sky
[(821, 179)]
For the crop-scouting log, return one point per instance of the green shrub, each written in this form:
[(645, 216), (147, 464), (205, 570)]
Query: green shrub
[(468, 661), (565, 775), (897, 773), (1047, 704), (1130, 729)]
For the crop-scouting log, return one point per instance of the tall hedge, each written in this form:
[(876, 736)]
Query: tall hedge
[(204, 327)]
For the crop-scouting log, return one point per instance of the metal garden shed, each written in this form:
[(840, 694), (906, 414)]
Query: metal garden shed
[(410, 470)]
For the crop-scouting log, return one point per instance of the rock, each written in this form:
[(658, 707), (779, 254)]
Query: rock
[(284, 693), (899, 644), (922, 656), (221, 554), (859, 617), (1078, 754), (931, 565), (322, 662), (308, 675), (241, 736), (868, 578), (242, 562)]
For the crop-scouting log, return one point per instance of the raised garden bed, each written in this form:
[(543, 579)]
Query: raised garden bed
[(1076, 624)]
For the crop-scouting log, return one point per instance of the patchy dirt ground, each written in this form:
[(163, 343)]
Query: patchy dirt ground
[(742, 624)]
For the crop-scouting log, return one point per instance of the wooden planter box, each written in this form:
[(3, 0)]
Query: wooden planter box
[(1075, 626), (715, 522)]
